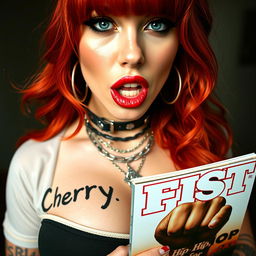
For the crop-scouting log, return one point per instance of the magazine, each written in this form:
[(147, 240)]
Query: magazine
[(197, 211)]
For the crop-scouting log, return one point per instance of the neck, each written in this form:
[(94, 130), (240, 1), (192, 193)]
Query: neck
[(111, 126)]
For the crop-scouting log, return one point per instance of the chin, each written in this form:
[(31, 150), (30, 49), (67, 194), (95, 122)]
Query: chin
[(128, 114), (113, 111)]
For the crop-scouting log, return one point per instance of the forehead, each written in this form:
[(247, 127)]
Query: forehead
[(130, 7)]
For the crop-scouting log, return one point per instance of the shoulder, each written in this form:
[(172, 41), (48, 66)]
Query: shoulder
[(38, 148), (29, 174), (32, 156)]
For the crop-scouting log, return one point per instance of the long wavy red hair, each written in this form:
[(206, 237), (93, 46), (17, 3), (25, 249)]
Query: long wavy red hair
[(194, 129)]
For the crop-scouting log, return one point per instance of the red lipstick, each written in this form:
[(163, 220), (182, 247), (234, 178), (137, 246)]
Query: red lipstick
[(130, 91)]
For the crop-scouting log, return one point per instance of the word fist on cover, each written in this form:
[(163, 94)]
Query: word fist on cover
[(191, 227)]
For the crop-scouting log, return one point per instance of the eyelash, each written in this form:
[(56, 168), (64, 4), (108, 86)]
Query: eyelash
[(168, 25), (93, 23)]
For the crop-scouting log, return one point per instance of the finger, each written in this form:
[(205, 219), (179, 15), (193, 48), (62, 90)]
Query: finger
[(197, 215), (221, 217), (174, 221), (179, 218), (120, 251), (163, 224), (158, 251), (215, 205)]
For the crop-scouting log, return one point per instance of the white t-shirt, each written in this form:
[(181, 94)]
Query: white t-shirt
[(30, 174)]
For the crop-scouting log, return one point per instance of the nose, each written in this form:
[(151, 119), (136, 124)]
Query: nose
[(130, 51)]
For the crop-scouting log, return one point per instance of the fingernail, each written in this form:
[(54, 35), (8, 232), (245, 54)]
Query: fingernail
[(213, 223), (163, 250)]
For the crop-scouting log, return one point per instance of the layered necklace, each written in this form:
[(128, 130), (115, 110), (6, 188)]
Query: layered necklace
[(96, 128)]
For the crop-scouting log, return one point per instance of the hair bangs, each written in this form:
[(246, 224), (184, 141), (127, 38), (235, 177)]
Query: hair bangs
[(131, 7)]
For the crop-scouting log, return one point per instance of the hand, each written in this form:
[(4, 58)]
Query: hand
[(120, 251), (193, 225), (158, 251)]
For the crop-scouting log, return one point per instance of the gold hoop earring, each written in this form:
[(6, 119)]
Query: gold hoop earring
[(73, 85), (179, 90)]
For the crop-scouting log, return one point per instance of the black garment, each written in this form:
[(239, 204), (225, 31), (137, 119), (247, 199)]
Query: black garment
[(57, 239)]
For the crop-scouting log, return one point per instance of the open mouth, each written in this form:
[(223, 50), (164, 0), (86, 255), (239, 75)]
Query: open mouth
[(130, 91)]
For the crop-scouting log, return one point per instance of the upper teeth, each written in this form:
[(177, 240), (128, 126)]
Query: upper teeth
[(127, 93), (130, 85)]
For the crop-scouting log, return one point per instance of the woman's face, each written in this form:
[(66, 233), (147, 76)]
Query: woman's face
[(125, 61)]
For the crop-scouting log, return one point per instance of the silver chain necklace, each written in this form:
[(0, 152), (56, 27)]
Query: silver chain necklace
[(131, 172), (121, 159), (123, 151)]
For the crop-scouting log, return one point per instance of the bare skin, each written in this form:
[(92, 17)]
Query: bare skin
[(79, 163), (123, 251), (75, 155), (73, 172), (71, 167), (13, 250)]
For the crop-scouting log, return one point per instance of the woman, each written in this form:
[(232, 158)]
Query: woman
[(126, 91)]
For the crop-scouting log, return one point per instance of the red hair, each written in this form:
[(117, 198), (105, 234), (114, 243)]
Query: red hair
[(194, 129)]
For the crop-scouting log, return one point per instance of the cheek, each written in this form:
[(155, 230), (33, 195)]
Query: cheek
[(88, 62), (95, 56)]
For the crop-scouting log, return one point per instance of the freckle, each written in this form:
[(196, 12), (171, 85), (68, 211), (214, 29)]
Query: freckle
[(117, 199)]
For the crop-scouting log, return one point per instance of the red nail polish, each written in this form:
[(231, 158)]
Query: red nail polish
[(163, 250)]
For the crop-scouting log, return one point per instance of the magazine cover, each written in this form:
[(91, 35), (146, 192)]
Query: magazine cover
[(197, 211)]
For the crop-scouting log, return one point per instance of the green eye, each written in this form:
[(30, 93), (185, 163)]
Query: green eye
[(100, 24)]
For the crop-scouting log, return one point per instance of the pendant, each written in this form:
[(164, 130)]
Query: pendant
[(131, 174)]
